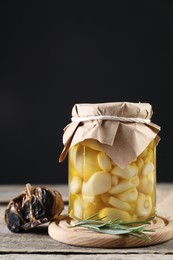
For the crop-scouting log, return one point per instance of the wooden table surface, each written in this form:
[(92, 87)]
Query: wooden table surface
[(37, 244)]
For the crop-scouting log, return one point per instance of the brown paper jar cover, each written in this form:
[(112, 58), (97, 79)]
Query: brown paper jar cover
[(122, 141)]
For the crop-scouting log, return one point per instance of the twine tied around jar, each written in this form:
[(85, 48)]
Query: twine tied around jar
[(113, 118)]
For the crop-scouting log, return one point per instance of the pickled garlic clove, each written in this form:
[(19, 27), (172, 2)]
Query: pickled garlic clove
[(119, 204), (151, 145), (125, 185), (114, 179), (146, 184), (84, 160), (112, 213), (140, 164), (105, 197), (73, 171), (77, 158), (129, 195), (90, 164), (147, 168), (83, 189), (104, 161), (134, 181), (126, 173), (92, 205), (88, 200), (134, 218), (150, 156), (93, 144), (90, 211), (144, 205), (75, 185), (99, 182), (78, 207)]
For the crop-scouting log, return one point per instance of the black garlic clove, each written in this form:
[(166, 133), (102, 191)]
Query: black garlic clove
[(33, 207)]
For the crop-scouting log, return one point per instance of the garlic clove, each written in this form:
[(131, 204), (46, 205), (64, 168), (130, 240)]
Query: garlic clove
[(78, 207), (129, 195), (147, 168), (146, 184), (75, 185), (125, 185), (112, 213), (126, 173), (119, 204), (144, 205), (99, 182), (104, 161), (93, 144)]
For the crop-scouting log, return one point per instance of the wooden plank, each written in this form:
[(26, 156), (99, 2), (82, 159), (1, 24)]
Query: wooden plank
[(164, 200), (87, 257), (8, 192)]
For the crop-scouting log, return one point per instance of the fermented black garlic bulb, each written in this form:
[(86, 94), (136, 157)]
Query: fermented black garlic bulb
[(34, 206)]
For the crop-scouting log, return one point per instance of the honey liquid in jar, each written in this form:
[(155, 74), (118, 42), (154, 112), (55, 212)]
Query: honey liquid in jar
[(111, 151), (98, 186)]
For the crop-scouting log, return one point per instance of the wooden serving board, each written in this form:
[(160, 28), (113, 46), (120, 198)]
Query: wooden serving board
[(80, 236)]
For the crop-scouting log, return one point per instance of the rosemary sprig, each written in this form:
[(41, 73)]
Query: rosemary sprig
[(115, 227)]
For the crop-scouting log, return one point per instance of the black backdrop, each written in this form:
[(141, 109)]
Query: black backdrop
[(53, 56)]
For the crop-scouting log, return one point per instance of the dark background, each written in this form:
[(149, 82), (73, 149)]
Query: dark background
[(53, 56)]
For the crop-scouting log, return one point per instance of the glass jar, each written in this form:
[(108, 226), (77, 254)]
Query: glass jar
[(112, 161), (98, 186)]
